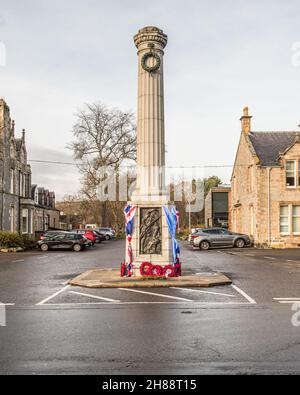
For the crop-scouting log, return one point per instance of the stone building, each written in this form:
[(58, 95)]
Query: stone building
[(266, 186), (21, 209), (15, 177), (46, 216), (217, 207)]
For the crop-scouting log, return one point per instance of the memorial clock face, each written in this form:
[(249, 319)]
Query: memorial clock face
[(151, 62)]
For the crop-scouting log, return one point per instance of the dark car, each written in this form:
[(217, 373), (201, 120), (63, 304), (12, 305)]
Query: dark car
[(218, 237), (50, 233), (100, 236), (63, 240)]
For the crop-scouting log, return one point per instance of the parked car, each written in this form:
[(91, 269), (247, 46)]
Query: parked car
[(109, 233), (51, 233), (63, 240), (88, 233), (219, 237), (100, 236)]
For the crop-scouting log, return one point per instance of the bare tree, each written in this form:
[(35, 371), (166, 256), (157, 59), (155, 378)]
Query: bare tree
[(103, 138)]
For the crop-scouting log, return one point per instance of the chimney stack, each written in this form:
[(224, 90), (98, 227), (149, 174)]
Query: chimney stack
[(246, 121)]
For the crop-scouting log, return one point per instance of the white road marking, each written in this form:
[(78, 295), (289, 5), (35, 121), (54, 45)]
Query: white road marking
[(94, 297), (155, 294), (192, 304), (7, 304), (250, 300), (292, 260), (19, 260), (43, 257), (204, 292), (53, 296), (289, 301), (270, 257), (286, 298)]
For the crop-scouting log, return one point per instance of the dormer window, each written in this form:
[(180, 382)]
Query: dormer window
[(290, 174)]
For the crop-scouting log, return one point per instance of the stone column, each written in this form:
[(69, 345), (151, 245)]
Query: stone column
[(150, 240), (150, 42)]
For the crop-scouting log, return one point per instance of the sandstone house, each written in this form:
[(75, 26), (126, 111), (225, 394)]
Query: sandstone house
[(265, 199)]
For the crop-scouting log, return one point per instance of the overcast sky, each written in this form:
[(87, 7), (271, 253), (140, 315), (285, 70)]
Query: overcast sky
[(221, 56)]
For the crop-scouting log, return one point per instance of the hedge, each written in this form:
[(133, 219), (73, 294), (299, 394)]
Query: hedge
[(11, 240)]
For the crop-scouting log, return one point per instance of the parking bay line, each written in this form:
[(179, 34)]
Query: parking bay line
[(192, 304), (53, 296), (240, 291), (94, 297), (155, 294), (287, 300), (7, 304), (204, 292)]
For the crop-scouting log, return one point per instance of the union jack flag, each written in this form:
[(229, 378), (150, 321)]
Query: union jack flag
[(129, 212)]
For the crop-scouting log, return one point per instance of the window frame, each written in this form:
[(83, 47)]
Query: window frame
[(12, 181), (289, 220), (25, 215), (295, 162), (292, 219)]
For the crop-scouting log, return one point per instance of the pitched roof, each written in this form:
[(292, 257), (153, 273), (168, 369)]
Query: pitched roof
[(269, 145)]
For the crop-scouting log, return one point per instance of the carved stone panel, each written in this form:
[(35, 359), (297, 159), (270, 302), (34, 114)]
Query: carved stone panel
[(150, 231)]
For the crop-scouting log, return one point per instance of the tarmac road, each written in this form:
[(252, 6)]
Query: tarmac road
[(240, 329)]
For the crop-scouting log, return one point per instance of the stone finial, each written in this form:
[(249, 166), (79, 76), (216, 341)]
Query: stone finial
[(246, 121), (23, 134)]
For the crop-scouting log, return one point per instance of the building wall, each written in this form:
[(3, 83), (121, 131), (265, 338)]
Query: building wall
[(250, 204), (210, 214), (19, 211), (279, 195), (208, 210), (245, 190), (15, 174)]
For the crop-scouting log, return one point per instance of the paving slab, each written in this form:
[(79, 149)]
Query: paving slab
[(110, 278)]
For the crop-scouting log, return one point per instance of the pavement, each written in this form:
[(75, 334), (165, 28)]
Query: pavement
[(110, 278), (250, 326)]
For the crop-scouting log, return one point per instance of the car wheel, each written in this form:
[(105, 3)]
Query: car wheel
[(240, 243), (77, 248), (107, 237), (204, 245), (44, 247)]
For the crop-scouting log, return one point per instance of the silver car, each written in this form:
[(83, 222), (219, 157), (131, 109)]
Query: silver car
[(108, 233), (218, 237)]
